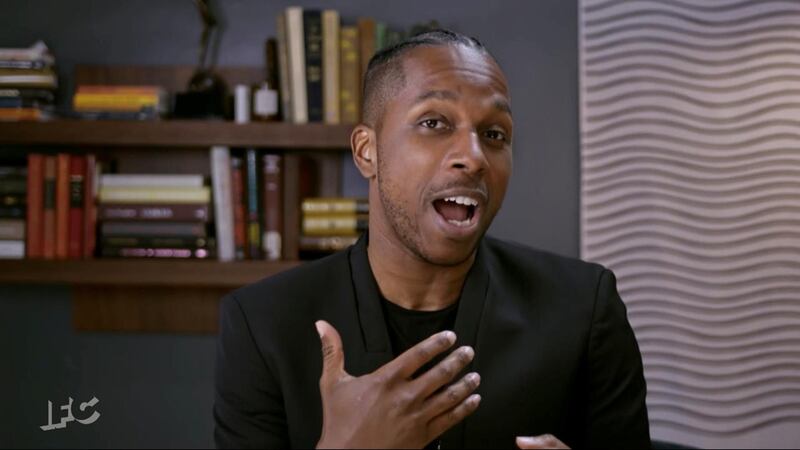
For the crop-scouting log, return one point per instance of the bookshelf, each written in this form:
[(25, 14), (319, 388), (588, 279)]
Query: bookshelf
[(173, 296)]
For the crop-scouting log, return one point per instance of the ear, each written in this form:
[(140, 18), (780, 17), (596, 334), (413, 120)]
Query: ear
[(363, 143)]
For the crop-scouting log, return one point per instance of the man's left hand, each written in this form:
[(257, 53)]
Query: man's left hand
[(543, 441)]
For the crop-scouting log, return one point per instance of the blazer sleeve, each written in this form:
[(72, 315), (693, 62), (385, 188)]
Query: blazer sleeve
[(617, 412), (248, 403)]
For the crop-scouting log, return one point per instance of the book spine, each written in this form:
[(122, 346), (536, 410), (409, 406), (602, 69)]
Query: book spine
[(77, 171), (331, 66), (335, 205), (35, 206), (12, 212), (366, 46), (89, 206), (312, 30), (349, 95), (126, 180), (62, 206), (153, 229), (159, 195), (253, 204), (284, 80), (238, 202), (154, 212), (137, 252), (13, 185), (326, 243), (153, 242), (12, 249), (13, 200), (343, 225), (49, 237), (12, 229), (297, 63), (223, 212), (273, 207)]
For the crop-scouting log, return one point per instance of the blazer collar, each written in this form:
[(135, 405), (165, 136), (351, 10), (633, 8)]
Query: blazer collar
[(370, 312)]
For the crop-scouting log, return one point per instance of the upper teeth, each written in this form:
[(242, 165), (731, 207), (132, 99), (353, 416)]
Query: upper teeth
[(462, 200)]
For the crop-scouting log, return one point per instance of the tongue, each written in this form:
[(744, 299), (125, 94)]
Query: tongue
[(451, 211)]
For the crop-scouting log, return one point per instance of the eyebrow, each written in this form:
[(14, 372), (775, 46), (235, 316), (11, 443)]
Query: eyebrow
[(501, 105)]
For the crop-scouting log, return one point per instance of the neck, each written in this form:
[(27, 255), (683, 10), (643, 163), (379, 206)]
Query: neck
[(409, 281)]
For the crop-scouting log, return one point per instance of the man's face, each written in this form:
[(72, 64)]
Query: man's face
[(444, 152)]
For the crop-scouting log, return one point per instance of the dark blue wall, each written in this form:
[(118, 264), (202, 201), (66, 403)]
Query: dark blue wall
[(156, 390)]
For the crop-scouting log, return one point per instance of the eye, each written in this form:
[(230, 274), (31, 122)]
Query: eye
[(496, 135), (432, 124)]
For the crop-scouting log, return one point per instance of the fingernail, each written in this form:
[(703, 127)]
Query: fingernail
[(474, 378), (474, 399), (527, 440), (450, 336), (318, 325), (468, 351)]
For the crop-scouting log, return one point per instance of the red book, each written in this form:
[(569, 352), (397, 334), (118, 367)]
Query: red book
[(273, 207), (62, 205), (49, 216), (89, 207), (77, 173), (35, 223), (239, 223)]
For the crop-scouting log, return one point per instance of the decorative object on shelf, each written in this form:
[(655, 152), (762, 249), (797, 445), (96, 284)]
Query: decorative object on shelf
[(207, 93)]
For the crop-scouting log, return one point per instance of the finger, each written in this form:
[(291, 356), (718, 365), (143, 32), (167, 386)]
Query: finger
[(332, 353), (543, 441), (445, 421), (444, 372), (405, 365), (453, 395)]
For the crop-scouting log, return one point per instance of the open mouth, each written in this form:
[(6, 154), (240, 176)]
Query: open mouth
[(458, 210)]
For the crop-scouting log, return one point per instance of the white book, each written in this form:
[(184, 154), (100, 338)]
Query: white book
[(297, 63), (12, 249), (157, 194), (331, 57), (151, 180), (223, 201)]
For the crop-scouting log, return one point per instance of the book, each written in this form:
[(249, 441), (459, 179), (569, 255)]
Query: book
[(153, 242), (12, 229), (29, 64), (366, 46), (284, 80), (12, 212), (153, 229), (37, 51), (273, 207), (35, 206), (49, 210), (12, 249), (297, 63), (13, 200), (130, 252), (335, 205), (349, 78), (159, 195), (77, 175), (13, 184), (238, 202), (223, 211), (253, 215), (330, 66), (89, 206), (335, 224), (42, 95), (326, 243), (149, 180), (19, 114), (380, 36), (312, 32), (178, 212), (62, 206)]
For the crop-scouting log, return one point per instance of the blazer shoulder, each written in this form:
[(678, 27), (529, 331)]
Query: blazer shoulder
[(298, 286), (522, 262)]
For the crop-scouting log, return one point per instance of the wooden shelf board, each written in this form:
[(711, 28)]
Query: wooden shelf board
[(180, 133), (128, 272)]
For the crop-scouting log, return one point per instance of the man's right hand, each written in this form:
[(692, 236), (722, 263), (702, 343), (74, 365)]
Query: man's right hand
[(388, 408)]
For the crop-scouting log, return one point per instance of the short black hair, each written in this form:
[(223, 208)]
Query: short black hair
[(385, 75)]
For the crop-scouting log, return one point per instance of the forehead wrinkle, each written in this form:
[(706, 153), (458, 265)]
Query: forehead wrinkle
[(441, 94)]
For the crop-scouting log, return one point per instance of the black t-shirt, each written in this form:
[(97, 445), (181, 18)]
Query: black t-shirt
[(408, 327)]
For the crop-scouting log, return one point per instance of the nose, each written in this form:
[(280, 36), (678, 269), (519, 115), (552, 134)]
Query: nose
[(468, 154)]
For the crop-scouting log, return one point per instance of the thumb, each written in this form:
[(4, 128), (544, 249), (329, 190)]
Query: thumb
[(332, 352)]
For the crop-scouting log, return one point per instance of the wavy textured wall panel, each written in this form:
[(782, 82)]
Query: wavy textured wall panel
[(690, 192)]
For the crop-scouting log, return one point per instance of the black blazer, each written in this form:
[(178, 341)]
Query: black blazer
[(552, 345)]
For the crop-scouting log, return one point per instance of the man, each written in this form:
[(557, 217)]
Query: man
[(431, 334)]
